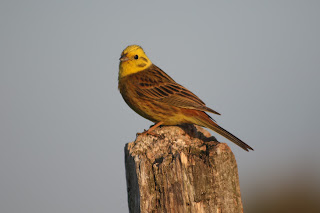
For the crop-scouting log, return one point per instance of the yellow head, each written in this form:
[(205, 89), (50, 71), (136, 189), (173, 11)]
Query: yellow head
[(132, 60)]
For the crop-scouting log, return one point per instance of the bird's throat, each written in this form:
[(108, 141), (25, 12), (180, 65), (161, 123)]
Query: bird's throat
[(128, 68)]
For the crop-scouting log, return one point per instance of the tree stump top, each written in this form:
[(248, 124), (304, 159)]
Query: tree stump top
[(172, 140)]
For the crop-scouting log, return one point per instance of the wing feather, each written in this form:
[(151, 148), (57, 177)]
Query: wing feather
[(154, 84)]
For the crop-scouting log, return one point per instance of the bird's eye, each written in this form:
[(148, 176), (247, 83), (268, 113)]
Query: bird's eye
[(136, 57)]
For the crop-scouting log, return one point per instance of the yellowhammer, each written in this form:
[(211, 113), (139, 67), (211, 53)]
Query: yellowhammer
[(157, 97)]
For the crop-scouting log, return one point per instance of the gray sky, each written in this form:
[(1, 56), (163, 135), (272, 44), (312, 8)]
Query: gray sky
[(63, 123)]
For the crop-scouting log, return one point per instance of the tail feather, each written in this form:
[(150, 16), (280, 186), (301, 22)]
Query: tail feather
[(205, 121)]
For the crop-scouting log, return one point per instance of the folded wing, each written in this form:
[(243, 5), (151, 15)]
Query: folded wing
[(155, 84)]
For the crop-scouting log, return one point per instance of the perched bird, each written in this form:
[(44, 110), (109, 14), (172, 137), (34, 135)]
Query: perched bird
[(154, 95)]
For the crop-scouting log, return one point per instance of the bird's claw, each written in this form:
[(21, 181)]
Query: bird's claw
[(146, 132)]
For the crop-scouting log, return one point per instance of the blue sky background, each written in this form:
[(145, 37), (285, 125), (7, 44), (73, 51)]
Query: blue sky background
[(64, 125)]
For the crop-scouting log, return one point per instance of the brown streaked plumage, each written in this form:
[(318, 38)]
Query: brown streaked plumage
[(157, 97)]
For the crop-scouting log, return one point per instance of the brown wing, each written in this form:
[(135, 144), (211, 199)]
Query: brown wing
[(155, 84)]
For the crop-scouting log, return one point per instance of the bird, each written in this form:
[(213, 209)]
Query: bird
[(154, 95)]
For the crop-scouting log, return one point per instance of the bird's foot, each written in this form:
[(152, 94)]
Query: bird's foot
[(147, 132), (150, 130)]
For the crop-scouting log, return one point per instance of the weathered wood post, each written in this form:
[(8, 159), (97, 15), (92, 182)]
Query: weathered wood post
[(183, 170)]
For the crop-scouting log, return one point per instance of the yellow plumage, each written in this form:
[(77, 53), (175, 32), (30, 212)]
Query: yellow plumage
[(157, 97)]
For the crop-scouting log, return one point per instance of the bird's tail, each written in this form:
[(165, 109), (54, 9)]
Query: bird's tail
[(205, 120)]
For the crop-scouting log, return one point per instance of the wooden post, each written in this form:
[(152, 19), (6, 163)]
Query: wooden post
[(182, 170)]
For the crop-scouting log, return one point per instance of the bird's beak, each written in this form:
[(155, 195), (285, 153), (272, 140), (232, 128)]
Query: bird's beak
[(124, 58)]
